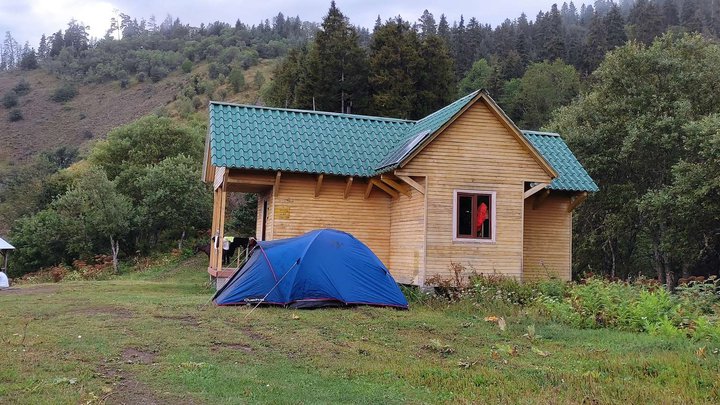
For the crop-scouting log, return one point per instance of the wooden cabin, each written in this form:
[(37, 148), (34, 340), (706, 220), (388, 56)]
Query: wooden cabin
[(461, 185)]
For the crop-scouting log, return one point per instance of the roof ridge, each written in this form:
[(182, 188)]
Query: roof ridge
[(530, 131), (295, 110)]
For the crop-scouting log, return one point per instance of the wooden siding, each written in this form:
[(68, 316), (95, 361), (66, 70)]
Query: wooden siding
[(295, 210), (548, 238), (407, 237), (262, 197), (476, 152)]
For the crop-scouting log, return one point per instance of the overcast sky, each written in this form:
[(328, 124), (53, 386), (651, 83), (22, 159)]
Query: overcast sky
[(27, 20)]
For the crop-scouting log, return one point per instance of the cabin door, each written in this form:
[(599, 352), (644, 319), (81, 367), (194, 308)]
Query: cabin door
[(265, 219)]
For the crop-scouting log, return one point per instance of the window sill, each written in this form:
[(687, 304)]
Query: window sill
[(470, 240)]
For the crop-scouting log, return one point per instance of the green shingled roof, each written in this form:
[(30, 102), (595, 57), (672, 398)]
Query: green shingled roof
[(252, 137), (571, 175)]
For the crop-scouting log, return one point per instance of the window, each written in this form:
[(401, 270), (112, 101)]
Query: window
[(474, 216)]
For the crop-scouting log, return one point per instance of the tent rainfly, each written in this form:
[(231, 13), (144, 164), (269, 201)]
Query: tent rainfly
[(324, 267)]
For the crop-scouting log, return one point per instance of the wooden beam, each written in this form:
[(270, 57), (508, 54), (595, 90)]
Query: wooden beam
[(401, 188), (276, 186), (318, 184), (540, 198), (577, 201), (254, 181), (219, 177), (414, 184), (408, 174), (368, 189), (534, 190), (379, 184), (348, 185)]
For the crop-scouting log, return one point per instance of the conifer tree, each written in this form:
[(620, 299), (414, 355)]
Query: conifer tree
[(670, 13), (646, 21), (394, 62), (435, 77), (595, 43), (337, 66), (427, 24), (553, 43), (615, 28), (444, 29)]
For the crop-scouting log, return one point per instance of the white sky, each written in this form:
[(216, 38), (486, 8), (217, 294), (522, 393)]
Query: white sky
[(27, 20)]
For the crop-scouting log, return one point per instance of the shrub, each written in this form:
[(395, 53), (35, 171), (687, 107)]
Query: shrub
[(15, 115), (186, 66), (22, 88), (10, 99), (237, 79), (65, 92), (158, 73)]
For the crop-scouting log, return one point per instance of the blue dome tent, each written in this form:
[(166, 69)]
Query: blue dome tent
[(320, 268)]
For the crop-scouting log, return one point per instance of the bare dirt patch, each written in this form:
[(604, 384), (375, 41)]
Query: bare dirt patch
[(131, 355), (125, 388), (183, 319), (30, 290)]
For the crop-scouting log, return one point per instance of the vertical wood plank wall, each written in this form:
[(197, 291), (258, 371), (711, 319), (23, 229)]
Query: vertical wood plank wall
[(548, 239), (262, 197), (295, 210), (407, 237), (476, 152)]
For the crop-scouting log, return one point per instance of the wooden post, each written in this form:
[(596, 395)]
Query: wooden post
[(348, 185), (319, 184), (221, 226), (214, 243)]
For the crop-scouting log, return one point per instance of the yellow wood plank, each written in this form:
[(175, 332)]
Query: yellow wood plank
[(534, 190)]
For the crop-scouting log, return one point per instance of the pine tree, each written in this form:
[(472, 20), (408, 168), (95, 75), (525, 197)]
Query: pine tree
[(523, 40), (337, 66), (690, 17), (670, 13), (56, 44), (554, 44), (427, 25), (596, 43), (646, 21), (444, 29), (42, 48), (435, 77), (460, 48), (394, 63), (10, 51), (615, 28)]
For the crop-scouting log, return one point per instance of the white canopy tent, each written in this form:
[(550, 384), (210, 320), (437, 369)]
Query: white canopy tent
[(5, 249)]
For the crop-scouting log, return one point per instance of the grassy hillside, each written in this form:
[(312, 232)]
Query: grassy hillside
[(98, 108), (148, 338)]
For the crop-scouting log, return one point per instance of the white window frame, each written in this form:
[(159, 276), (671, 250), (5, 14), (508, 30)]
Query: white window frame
[(493, 216)]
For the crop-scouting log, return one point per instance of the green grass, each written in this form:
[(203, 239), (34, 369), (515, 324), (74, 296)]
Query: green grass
[(148, 337)]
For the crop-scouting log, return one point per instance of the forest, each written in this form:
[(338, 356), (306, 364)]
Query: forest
[(631, 86)]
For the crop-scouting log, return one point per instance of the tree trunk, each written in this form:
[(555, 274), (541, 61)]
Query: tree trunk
[(182, 238), (686, 270), (669, 277), (657, 263), (115, 248)]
